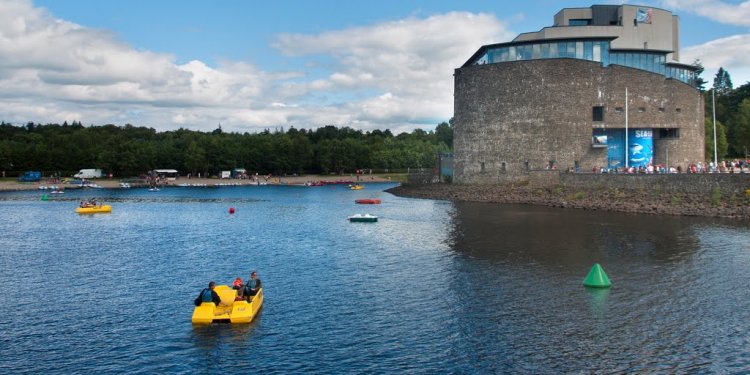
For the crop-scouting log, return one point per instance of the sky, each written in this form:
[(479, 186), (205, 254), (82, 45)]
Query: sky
[(247, 66)]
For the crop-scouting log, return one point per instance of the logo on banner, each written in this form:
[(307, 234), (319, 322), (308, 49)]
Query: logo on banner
[(643, 15)]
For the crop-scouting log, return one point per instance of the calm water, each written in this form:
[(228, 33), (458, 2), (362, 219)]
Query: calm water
[(433, 287)]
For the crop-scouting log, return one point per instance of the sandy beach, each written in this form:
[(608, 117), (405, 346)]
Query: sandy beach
[(114, 183)]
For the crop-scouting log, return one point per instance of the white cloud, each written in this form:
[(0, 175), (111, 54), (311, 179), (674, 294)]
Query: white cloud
[(732, 53), (395, 75), (733, 14), (412, 60)]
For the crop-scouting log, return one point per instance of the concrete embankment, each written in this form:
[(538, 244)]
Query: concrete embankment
[(655, 196)]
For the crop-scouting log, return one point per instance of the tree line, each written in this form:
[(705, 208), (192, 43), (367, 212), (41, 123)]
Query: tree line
[(732, 107), (131, 151)]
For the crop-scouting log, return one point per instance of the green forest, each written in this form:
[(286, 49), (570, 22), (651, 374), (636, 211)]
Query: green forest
[(128, 150), (732, 107)]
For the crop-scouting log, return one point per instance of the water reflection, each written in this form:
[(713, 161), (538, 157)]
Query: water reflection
[(556, 237)]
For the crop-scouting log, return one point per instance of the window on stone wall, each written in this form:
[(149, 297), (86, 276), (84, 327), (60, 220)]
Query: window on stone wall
[(618, 109), (641, 109), (481, 167), (502, 167), (672, 133), (597, 113), (661, 109), (678, 110)]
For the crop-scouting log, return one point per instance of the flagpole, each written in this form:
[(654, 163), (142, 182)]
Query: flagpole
[(626, 128), (713, 108)]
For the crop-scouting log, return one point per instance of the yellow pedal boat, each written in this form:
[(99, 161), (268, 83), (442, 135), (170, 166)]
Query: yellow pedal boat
[(357, 187), (228, 310), (94, 209)]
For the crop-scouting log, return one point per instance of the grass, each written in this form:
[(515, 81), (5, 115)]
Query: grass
[(676, 199), (716, 196)]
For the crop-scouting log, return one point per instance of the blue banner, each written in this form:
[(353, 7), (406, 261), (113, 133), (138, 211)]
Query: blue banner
[(641, 147), (615, 148)]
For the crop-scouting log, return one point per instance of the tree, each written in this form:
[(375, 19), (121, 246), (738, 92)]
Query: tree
[(739, 129), (444, 133), (700, 83), (195, 158), (722, 82), (721, 140)]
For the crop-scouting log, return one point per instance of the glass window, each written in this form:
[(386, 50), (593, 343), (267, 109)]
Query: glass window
[(503, 54), (525, 52), (571, 49), (579, 22), (545, 51), (588, 52), (511, 53), (579, 50), (536, 51), (597, 52), (628, 59), (562, 49), (553, 50), (598, 113)]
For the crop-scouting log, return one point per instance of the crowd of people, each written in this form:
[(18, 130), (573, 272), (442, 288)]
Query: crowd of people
[(245, 290), (725, 166)]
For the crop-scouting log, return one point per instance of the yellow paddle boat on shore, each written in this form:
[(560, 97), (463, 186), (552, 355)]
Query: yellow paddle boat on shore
[(228, 310), (356, 187), (102, 208)]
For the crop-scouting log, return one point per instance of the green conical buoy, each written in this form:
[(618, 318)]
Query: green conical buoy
[(45, 197), (597, 278)]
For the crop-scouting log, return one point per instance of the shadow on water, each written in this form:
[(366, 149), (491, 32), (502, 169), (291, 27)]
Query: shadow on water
[(553, 237), (215, 340)]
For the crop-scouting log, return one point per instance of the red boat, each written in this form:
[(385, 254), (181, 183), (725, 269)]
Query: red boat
[(367, 201)]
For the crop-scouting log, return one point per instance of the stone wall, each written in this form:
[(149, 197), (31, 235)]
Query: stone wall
[(514, 117), (689, 183)]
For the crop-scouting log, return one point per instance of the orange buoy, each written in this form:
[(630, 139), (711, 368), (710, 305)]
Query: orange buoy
[(231, 210)]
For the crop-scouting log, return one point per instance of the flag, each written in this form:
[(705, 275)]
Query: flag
[(643, 15)]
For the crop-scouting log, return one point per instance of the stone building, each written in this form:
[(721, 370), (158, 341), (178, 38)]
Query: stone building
[(573, 95)]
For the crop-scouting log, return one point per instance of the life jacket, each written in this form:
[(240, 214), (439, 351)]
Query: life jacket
[(207, 296), (237, 282)]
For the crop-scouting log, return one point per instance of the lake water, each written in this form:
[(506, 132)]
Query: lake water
[(433, 287)]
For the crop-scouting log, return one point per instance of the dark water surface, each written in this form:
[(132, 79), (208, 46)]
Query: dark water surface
[(433, 287)]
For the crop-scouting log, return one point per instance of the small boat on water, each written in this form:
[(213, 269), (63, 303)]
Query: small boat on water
[(367, 201), (228, 310), (103, 208), (356, 187), (360, 218)]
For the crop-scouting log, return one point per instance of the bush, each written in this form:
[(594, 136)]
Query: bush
[(716, 196)]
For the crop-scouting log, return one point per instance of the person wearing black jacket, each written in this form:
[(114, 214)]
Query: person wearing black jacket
[(208, 295)]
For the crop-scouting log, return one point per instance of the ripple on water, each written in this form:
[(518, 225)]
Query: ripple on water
[(432, 287)]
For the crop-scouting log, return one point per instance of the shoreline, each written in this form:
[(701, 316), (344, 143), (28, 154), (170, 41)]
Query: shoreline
[(628, 201), (14, 185)]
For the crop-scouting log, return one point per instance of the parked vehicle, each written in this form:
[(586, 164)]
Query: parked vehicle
[(89, 173), (30, 176)]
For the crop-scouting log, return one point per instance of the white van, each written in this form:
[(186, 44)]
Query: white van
[(89, 173)]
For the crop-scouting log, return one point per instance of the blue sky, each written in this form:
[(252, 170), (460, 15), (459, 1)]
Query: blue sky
[(255, 65)]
